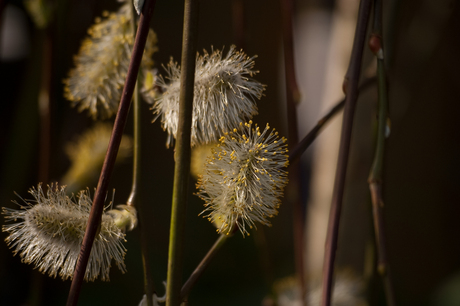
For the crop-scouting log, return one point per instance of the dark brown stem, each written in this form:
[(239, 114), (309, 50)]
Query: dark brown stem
[(182, 154), (292, 99), (292, 90), (339, 184), (109, 162)]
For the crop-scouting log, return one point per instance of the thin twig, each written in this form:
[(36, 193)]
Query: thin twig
[(149, 288), (303, 145), (203, 265), (134, 199), (292, 99), (339, 184), (133, 196), (107, 168), (376, 174), (182, 154)]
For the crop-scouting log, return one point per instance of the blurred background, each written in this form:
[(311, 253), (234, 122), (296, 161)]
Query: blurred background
[(421, 177)]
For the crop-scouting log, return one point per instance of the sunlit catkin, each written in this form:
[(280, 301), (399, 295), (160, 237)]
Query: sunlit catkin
[(102, 63), (244, 178), (51, 228), (224, 95)]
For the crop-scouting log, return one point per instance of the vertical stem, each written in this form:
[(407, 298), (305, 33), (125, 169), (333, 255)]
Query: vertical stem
[(148, 282), (133, 196), (182, 152), (292, 99), (339, 184), (107, 168), (376, 174), (239, 24), (303, 145), (134, 199)]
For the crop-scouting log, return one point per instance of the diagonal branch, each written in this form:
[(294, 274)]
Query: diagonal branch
[(347, 125), (187, 287), (305, 143), (107, 168)]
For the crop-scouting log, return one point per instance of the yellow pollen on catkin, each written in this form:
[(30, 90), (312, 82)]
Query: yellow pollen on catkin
[(229, 182)]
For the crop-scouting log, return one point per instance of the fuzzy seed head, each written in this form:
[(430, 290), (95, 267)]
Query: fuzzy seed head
[(224, 95), (244, 178), (102, 63), (51, 229)]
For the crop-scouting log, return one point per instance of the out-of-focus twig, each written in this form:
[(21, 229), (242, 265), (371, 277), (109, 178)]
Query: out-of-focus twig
[(203, 265), (134, 199), (376, 177), (292, 99), (305, 143), (351, 91)]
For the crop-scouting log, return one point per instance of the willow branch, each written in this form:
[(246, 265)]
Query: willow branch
[(109, 162), (203, 265), (292, 99), (182, 154), (134, 199), (339, 184), (376, 174)]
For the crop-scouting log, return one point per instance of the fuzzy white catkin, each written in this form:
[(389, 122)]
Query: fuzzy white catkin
[(224, 95), (244, 178), (51, 228), (101, 66)]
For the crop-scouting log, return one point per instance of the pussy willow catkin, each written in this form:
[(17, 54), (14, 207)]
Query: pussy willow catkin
[(51, 228), (244, 178), (224, 95)]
